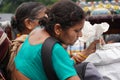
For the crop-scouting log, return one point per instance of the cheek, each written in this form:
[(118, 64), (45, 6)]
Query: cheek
[(36, 24), (73, 36), (70, 38)]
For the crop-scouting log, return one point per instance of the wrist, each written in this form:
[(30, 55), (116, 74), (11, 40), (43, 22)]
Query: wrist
[(78, 57), (85, 52)]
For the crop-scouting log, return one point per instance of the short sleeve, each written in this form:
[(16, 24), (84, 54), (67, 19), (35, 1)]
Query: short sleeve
[(63, 65)]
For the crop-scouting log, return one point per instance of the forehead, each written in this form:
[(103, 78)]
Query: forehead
[(78, 25)]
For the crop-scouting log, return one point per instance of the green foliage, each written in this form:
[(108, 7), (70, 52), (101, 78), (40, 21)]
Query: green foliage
[(74, 0), (9, 6)]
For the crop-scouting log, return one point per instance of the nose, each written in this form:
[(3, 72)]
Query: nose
[(80, 34)]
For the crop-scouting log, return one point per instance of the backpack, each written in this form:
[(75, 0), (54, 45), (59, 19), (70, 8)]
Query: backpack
[(4, 55), (85, 70)]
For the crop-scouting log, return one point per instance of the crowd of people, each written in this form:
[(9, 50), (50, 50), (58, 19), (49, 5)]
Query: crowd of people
[(32, 24)]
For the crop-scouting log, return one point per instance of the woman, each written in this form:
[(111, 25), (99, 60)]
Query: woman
[(64, 22), (26, 18)]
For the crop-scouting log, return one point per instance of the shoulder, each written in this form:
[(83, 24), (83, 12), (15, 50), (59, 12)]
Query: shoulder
[(59, 48), (38, 35)]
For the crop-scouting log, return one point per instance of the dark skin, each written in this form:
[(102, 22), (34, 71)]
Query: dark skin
[(91, 49), (35, 39)]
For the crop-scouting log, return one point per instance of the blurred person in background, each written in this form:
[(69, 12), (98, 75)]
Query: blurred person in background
[(107, 59), (27, 17)]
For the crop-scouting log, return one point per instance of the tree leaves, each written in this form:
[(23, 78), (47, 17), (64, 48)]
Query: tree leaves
[(9, 6)]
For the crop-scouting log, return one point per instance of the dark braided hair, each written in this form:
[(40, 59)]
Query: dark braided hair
[(64, 12)]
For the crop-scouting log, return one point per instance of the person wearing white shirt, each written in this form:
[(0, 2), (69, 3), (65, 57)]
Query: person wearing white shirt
[(107, 59)]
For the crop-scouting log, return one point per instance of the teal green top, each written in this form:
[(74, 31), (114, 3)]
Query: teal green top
[(28, 62)]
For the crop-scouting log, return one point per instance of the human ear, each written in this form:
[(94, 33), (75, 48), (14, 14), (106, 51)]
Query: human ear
[(57, 29), (28, 24)]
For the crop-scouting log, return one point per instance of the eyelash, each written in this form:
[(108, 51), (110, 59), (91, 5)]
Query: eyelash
[(76, 31)]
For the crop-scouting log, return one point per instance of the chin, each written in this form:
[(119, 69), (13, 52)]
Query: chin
[(72, 43)]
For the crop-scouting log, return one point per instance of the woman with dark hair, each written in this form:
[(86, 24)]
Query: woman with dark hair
[(26, 18), (64, 22)]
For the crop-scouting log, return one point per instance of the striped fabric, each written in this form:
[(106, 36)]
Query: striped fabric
[(4, 45), (1, 76)]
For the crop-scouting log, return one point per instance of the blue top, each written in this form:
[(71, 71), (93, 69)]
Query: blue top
[(28, 62)]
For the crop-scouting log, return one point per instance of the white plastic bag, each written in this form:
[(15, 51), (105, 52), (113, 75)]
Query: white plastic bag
[(91, 32)]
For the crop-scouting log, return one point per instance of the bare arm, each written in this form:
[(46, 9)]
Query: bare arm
[(81, 56), (74, 78)]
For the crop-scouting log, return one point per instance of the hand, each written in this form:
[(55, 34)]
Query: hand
[(77, 58), (91, 48), (81, 56), (102, 41)]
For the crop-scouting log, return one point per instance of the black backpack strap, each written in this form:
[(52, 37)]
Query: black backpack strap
[(46, 58), (81, 68)]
